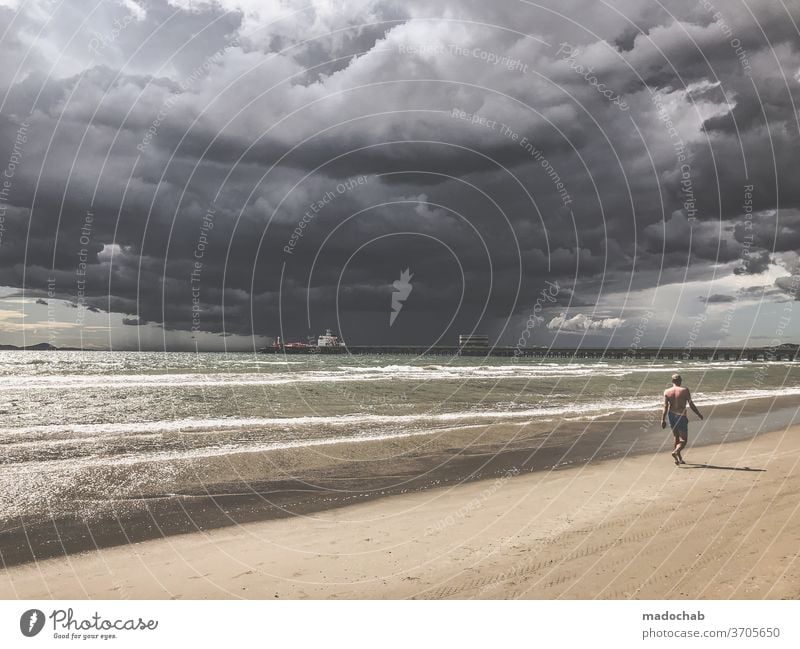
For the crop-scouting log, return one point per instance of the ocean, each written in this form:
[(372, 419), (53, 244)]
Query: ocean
[(82, 431)]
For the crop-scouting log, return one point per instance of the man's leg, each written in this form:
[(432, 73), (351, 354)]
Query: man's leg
[(672, 424), (676, 450), (680, 444)]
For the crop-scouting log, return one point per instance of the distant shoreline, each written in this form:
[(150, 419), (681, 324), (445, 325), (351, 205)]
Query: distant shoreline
[(784, 352), (44, 347)]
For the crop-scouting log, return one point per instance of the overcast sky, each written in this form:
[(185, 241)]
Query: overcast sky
[(571, 172)]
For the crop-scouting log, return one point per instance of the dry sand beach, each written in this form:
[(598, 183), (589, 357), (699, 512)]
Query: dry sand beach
[(726, 525)]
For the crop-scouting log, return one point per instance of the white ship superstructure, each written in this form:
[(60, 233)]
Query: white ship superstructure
[(328, 340)]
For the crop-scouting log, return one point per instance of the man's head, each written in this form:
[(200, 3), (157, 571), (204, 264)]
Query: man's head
[(676, 379)]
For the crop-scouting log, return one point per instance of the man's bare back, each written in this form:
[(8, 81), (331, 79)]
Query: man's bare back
[(678, 397)]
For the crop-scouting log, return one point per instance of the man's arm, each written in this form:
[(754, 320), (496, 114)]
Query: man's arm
[(692, 406), (664, 411)]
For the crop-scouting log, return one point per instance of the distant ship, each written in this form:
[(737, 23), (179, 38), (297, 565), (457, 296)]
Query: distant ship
[(329, 340), (327, 343)]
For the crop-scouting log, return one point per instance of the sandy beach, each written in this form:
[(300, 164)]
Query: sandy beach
[(725, 525)]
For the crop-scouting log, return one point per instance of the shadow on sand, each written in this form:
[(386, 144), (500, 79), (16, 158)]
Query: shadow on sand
[(690, 465)]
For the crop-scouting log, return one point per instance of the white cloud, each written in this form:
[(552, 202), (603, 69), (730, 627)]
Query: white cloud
[(582, 322), (136, 10)]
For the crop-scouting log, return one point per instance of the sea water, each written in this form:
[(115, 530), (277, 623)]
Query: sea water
[(88, 425)]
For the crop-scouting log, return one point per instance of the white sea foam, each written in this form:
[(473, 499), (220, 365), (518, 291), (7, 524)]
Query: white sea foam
[(359, 422), (343, 373)]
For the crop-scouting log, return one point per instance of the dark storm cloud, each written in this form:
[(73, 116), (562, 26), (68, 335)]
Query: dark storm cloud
[(790, 285), (718, 299), (775, 230), (754, 263), (204, 133)]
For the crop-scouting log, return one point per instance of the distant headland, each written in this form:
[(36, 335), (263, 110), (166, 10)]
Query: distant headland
[(40, 347)]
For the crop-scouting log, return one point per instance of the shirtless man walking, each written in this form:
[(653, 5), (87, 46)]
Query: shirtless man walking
[(676, 399)]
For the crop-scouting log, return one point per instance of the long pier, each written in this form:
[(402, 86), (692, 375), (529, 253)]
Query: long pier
[(781, 353)]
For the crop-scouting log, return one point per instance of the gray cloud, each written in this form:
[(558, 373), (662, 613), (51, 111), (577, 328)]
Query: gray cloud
[(754, 263), (718, 299), (197, 108)]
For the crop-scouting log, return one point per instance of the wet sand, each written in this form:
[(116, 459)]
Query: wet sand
[(475, 521)]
